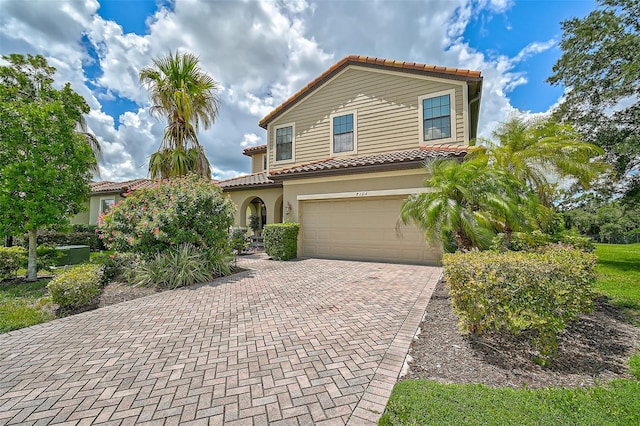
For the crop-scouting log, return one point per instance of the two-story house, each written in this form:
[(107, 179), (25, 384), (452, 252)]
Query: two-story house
[(346, 150)]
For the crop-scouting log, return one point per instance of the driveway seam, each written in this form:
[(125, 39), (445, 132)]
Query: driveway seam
[(374, 400)]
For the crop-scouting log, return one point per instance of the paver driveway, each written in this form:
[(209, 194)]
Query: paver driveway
[(299, 342)]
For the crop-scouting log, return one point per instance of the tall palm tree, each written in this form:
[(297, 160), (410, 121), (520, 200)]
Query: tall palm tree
[(539, 150), (187, 97), (471, 199)]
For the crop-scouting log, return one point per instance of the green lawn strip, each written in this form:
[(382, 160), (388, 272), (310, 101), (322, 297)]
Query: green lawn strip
[(23, 305), (423, 402), (619, 275)]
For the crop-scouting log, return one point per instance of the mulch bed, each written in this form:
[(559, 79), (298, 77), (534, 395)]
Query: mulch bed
[(592, 350), (121, 292)]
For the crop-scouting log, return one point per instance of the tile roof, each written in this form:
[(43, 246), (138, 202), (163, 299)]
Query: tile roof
[(129, 185), (248, 181), (389, 160), (445, 72), (254, 150)]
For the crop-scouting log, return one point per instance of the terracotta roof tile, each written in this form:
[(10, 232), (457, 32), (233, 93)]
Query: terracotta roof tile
[(254, 150), (388, 158), (445, 72), (129, 185), (247, 181)]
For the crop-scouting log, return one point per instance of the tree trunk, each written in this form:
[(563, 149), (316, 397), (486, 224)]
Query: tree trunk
[(463, 241), (32, 269)]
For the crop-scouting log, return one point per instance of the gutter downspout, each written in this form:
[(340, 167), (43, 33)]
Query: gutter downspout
[(476, 99)]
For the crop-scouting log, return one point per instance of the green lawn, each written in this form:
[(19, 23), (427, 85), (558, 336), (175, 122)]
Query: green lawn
[(421, 402), (24, 304), (619, 275)]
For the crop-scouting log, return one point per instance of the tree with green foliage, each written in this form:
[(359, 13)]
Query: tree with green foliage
[(536, 150), (473, 200), (45, 163), (186, 96), (600, 67)]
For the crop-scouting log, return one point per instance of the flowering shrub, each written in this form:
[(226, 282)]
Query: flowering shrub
[(173, 212)]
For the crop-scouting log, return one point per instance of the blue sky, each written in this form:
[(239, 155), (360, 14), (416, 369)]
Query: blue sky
[(261, 52)]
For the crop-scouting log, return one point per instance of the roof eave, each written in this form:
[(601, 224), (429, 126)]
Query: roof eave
[(370, 168), (252, 186)]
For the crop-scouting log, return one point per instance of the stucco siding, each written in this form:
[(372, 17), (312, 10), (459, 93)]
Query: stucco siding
[(387, 110)]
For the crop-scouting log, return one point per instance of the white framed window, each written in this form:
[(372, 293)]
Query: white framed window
[(106, 204), (437, 117), (344, 132), (285, 142)]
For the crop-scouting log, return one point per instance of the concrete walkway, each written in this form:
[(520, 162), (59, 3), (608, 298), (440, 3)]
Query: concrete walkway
[(299, 342)]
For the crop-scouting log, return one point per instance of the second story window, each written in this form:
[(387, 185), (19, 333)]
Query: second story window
[(343, 132), (437, 114), (437, 117), (284, 143)]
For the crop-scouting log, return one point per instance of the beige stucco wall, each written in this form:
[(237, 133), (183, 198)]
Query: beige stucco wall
[(90, 216), (358, 186), (272, 198), (387, 108), (257, 163), (82, 218)]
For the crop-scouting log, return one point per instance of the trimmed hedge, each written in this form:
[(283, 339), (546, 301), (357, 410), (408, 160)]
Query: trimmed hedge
[(11, 259), (519, 291), (76, 287), (56, 238), (525, 241), (281, 240)]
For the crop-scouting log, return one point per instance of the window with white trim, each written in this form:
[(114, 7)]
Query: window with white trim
[(344, 132), (437, 117), (284, 142)]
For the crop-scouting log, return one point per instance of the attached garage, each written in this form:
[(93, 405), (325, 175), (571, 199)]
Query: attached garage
[(366, 228)]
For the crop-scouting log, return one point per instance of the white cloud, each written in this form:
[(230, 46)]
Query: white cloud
[(250, 139), (261, 52)]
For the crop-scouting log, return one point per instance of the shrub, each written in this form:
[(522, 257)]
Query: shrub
[(11, 259), (182, 266), (520, 241), (116, 266), (581, 243), (174, 212), (56, 238), (281, 240), (517, 291), (76, 287), (238, 239), (47, 257)]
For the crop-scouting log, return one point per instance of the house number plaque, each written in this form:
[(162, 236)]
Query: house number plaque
[(361, 194)]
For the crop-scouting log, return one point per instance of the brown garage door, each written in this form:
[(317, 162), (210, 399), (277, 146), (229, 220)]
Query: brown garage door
[(362, 229)]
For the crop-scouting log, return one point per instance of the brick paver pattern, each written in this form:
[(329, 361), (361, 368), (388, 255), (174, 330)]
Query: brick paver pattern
[(301, 342)]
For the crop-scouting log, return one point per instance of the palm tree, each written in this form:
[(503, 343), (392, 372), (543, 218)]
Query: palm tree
[(186, 96), (535, 151), (472, 200), (94, 143)]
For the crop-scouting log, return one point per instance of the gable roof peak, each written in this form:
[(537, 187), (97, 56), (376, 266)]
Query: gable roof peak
[(372, 62)]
